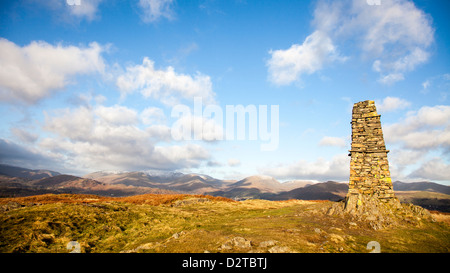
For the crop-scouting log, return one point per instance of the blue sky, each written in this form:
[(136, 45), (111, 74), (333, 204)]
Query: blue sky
[(92, 86)]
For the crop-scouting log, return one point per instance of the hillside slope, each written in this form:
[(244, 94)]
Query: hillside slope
[(183, 223), (25, 173), (421, 186), (330, 190)]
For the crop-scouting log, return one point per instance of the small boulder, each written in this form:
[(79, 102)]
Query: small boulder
[(280, 249), (178, 234), (241, 242), (268, 243)]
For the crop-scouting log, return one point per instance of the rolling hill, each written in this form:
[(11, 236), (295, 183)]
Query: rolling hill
[(25, 173), (258, 186), (330, 190), (421, 186), (268, 184), (17, 186), (183, 183), (16, 181)]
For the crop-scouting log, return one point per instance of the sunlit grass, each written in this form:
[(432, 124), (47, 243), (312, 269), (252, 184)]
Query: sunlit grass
[(184, 223)]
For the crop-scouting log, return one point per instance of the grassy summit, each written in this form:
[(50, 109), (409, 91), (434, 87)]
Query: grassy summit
[(195, 223)]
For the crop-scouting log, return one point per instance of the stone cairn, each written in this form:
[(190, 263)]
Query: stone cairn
[(371, 195), (370, 179)]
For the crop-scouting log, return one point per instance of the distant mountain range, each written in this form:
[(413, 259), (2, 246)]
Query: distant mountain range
[(174, 181), (25, 173), (421, 186), (16, 181)]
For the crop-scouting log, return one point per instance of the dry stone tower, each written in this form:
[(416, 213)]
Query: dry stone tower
[(370, 181), (370, 196)]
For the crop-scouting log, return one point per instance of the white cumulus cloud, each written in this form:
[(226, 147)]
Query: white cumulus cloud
[(233, 162), (286, 66), (391, 104), (117, 115), (86, 9), (153, 115), (112, 137), (429, 127), (153, 10), (335, 169), (165, 84), (191, 127), (332, 141), (434, 169), (34, 71), (395, 36)]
